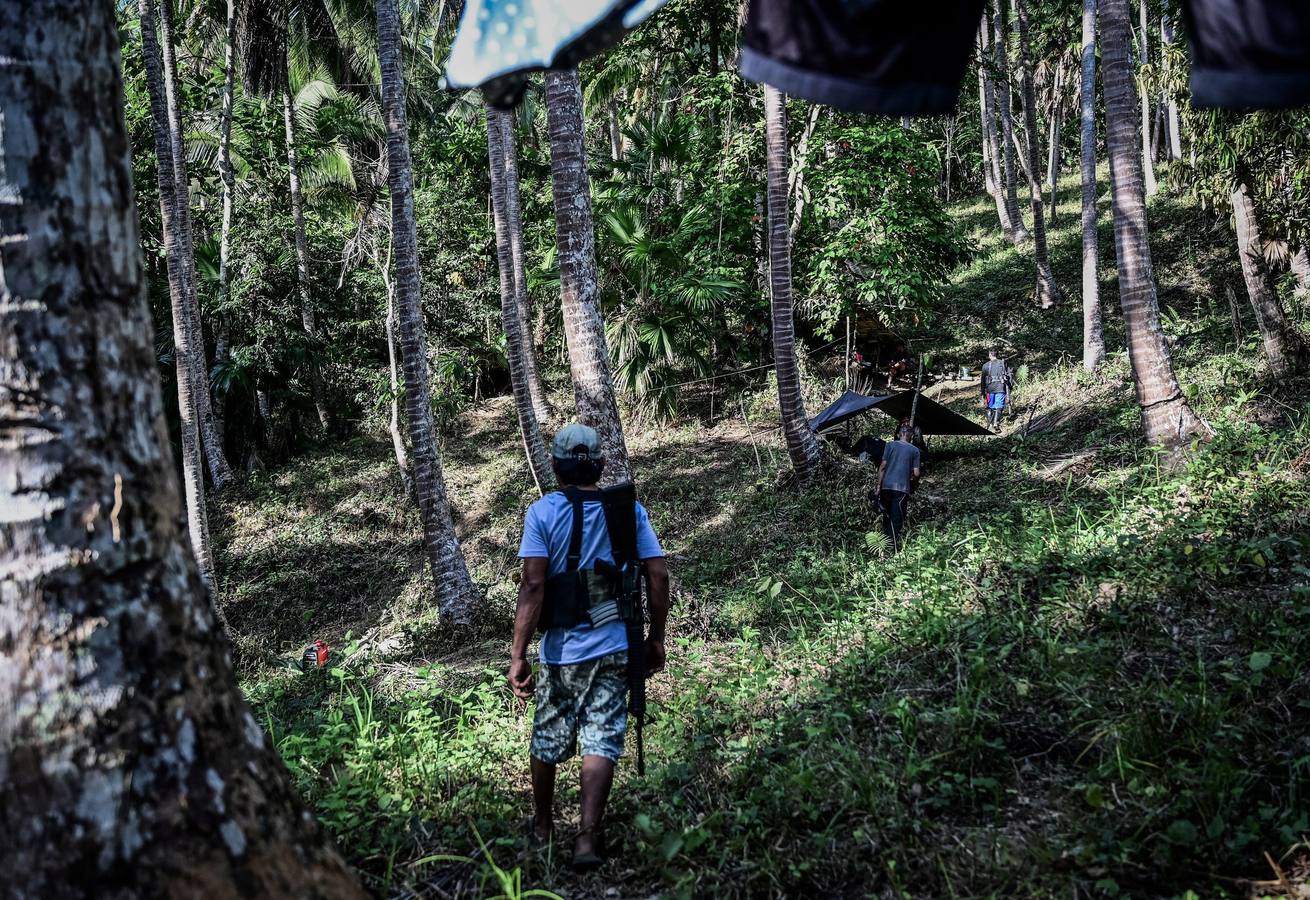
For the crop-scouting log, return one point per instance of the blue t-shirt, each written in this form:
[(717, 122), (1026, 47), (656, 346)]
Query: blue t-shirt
[(546, 532)]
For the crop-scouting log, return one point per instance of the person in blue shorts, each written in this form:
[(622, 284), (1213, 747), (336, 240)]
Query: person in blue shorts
[(582, 684), (996, 381)]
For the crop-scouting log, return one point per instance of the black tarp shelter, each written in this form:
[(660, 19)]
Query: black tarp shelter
[(931, 417)]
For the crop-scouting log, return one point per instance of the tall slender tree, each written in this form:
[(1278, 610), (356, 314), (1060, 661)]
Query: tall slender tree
[(210, 439), (393, 379), (226, 174), (514, 223), (1004, 97), (308, 316), (189, 386), (1173, 127), (1166, 417), (1282, 347), (456, 595), (517, 342), (1048, 292), (1093, 329), (991, 147), (130, 764), (1144, 60), (802, 447), (584, 329)]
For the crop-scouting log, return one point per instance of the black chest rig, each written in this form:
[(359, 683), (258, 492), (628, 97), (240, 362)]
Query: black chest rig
[(606, 592)]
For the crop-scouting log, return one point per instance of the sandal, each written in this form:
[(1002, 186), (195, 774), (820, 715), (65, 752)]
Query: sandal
[(586, 862)]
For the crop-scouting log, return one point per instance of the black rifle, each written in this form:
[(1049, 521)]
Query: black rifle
[(621, 522)]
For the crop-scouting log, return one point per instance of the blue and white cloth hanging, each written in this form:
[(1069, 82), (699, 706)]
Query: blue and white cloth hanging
[(500, 42)]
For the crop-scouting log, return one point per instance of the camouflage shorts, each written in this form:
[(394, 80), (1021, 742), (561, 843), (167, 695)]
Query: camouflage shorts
[(583, 703)]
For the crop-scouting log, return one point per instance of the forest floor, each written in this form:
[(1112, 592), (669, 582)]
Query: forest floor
[(1086, 673)]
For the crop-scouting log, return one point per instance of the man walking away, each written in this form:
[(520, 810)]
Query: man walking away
[(573, 591), (896, 475), (996, 383)]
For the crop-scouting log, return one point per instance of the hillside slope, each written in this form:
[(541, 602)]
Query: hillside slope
[(1086, 672)]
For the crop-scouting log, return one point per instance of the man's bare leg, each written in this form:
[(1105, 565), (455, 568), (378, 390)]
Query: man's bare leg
[(597, 778), (543, 798)]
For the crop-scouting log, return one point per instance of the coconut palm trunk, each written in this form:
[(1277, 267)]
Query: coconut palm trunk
[(1166, 417), (228, 176), (517, 342), (308, 318), (1282, 348), (1093, 329), (514, 220), (802, 447), (589, 360), (1048, 292), (220, 472), (456, 596), (1144, 60), (193, 476), (991, 146), (130, 764), (1001, 82)]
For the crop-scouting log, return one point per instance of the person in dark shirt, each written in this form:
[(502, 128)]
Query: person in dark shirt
[(896, 477), (996, 383)]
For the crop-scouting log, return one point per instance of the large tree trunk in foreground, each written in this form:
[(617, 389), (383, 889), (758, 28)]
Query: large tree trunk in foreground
[(188, 385), (1001, 82), (514, 221), (456, 596), (308, 319), (517, 342), (1093, 329), (589, 360), (802, 447), (1144, 59), (1282, 348), (1166, 417), (210, 440), (1048, 293), (130, 765)]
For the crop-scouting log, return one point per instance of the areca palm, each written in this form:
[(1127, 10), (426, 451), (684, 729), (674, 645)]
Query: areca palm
[(1167, 419), (1093, 330)]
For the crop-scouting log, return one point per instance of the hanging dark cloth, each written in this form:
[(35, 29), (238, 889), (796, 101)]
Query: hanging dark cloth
[(1249, 54), (888, 57)]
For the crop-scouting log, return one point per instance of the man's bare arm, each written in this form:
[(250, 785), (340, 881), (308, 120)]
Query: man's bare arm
[(657, 579), (532, 593), (882, 470)]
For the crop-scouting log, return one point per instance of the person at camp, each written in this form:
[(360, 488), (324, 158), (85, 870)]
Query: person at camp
[(573, 590), (996, 383), (896, 478), (898, 366)]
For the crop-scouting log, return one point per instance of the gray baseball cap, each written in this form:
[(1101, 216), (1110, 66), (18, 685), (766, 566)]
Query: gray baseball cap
[(574, 438)]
